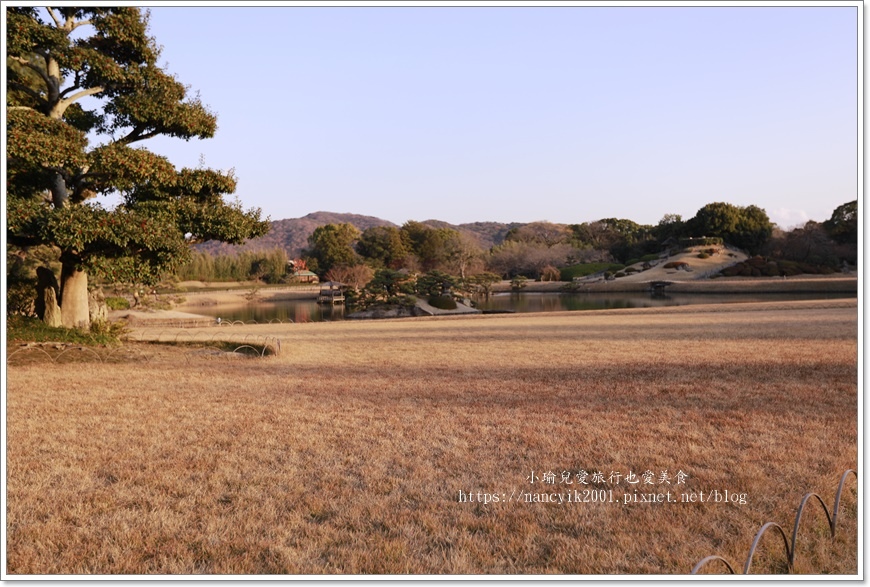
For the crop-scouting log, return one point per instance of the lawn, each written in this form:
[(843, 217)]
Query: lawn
[(357, 448)]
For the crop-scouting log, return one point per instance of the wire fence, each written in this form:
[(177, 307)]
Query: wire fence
[(789, 546), (263, 344)]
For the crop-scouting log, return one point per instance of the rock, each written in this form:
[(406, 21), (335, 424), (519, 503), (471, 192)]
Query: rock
[(51, 311), (46, 303), (97, 307)]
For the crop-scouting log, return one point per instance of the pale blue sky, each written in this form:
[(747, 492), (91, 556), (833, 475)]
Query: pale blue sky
[(566, 114)]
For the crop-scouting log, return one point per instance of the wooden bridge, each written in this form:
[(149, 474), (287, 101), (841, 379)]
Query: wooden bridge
[(657, 288)]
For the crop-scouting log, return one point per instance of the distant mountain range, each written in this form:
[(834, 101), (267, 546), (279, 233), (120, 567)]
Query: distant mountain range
[(292, 234)]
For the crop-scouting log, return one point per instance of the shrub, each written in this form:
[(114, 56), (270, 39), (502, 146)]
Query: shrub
[(118, 303), (676, 265), (631, 270), (703, 255), (550, 273), (760, 267), (519, 282), (27, 329), (442, 302), (701, 241), (108, 330), (20, 298), (584, 269), (644, 259)]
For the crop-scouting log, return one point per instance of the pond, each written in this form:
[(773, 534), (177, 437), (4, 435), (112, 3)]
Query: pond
[(307, 310)]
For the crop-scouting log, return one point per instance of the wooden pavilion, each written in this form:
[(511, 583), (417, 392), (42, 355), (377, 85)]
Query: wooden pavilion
[(331, 292)]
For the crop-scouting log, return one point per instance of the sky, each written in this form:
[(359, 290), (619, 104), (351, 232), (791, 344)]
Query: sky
[(517, 114)]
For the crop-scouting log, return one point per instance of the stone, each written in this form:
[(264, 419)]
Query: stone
[(45, 280), (47, 307), (97, 307), (51, 310)]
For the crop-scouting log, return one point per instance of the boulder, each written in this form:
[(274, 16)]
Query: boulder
[(97, 307), (51, 310), (47, 307)]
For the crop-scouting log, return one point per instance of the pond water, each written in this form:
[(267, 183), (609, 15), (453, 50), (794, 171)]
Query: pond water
[(309, 311)]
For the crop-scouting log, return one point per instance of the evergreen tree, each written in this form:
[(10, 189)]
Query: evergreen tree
[(56, 57)]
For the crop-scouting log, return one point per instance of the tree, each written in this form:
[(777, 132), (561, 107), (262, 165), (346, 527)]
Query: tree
[(355, 276), (435, 283), (385, 246), (432, 246), (56, 57), (620, 237), (810, 243), (481, 283), (529, 259), (550, 273), (544, 233), (463, 253), (388, 286), (843, 223), (670, 226), (333, 245), (270, 267), (748, 227)]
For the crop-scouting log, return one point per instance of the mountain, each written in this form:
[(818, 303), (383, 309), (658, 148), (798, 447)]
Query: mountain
[(292, 234), (488, 234)]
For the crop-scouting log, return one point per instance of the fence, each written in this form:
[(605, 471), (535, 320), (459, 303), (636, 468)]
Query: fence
[(268, 343), (790, 547)]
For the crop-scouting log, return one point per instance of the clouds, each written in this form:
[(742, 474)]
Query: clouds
[(787, 218)]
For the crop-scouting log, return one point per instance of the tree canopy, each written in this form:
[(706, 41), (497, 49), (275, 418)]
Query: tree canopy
[(384, 246), (748, 227), (842, 226), (61, 157), (332, 246)]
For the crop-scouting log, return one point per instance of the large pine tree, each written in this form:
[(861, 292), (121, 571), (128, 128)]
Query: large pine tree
[(62, 158)]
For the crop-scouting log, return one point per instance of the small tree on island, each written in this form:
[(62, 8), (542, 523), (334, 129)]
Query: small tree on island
[(435, 283), (56, 57), (481, 284)]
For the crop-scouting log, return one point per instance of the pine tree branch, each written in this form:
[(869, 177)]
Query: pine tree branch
[(69, 89), (26, 63), (27, 90), (137, 135), (132, 136), (81, 23), (54, 17), (62, 105), (83, 93)]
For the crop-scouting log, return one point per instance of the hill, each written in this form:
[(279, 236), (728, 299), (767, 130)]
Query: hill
[(292, 234), (488, 234)]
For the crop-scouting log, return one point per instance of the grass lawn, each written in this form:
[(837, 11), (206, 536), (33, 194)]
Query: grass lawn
[(351, 451)]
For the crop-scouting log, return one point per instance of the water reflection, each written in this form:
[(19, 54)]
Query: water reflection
[(283, 311), (552, 302), (310, 311)]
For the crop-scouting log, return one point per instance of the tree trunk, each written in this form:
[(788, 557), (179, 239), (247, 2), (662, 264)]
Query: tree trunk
[(74, 297), (59, 191)]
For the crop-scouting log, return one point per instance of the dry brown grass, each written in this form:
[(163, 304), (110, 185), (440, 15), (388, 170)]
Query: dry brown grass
[(347, 453)]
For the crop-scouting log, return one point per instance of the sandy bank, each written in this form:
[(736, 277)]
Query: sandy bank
[(722, 285)]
